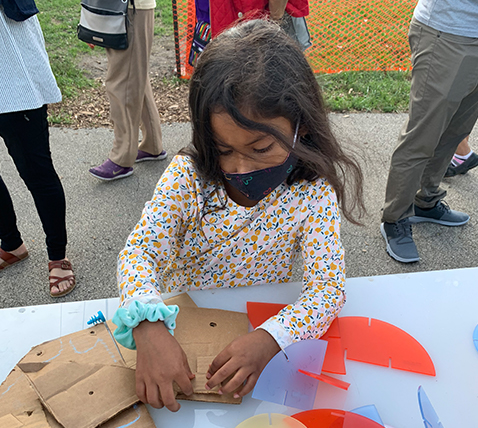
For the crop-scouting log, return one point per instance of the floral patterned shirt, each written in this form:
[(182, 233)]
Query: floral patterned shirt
[(174, 247)]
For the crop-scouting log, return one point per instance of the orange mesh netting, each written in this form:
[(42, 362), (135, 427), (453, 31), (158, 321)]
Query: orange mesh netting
[(360, 35), (347, 35), (184, 19)]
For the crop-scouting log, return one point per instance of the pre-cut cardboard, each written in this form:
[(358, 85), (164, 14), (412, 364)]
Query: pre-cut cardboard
[(19, 403), (202, 333), (102, 391), (91, 346)]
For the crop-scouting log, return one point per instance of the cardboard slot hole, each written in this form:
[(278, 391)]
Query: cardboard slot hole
[(212, 324), (39, 353), (92, 332), (91, 392)]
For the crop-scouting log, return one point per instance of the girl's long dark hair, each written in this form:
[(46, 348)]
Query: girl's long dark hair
[(257, 70)]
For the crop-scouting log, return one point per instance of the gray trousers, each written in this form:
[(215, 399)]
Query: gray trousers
[(131, 97), (443, 110)]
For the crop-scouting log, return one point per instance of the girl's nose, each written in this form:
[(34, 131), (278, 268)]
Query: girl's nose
[(243, 164)]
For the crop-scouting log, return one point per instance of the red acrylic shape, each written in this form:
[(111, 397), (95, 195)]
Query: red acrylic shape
[(368, 341), (327, 379), (334, 357), (259, 312), (383, 344), (333, 418)]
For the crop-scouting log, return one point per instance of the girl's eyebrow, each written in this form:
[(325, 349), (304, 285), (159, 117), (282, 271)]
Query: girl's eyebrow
[(220, 143)]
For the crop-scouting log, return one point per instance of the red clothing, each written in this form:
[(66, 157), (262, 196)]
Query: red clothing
[(223, 13)]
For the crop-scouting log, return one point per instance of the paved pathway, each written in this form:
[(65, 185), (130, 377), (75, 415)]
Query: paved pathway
[(100, 215)]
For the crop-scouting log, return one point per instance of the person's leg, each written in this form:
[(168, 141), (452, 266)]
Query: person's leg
[(460, 126), (152, 141), (10, 238), (437, 90), (12, 248), (438, 87), (27, 140), (463, 148), (128, 71), (463, 160)]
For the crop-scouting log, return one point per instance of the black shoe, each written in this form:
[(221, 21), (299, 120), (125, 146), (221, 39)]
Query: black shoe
[(400, 244), (462, 168), (440, 214)]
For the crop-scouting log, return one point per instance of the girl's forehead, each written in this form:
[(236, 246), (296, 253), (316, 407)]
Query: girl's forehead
[(222, 124)]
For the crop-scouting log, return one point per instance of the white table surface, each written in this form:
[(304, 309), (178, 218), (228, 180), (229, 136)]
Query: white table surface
[(439, 309)]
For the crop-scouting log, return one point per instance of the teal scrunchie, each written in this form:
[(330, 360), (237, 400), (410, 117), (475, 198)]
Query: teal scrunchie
[(128, 318)]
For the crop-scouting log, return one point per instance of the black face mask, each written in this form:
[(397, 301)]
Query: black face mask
[(256, 185)]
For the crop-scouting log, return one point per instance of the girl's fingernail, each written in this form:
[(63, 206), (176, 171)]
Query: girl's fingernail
[(207, 387), (219, 392), (208, 376), (236, 395)]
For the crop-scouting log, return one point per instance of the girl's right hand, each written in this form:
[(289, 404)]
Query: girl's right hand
[(160, 362)]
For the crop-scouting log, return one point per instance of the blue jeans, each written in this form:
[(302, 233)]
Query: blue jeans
[(27, 139)]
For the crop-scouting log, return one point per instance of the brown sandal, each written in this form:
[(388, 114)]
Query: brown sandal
[(9, 259), (63, 265)]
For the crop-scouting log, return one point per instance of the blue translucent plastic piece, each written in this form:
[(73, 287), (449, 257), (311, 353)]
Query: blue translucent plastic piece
[(369, 412), (97, 319), (429, 416), (475, 337), (281, 383)]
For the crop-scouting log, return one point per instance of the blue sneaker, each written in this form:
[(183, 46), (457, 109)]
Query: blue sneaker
[(108, 171), (440, 214), (399, 239), (144, 156)]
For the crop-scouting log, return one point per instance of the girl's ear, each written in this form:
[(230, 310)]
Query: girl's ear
[(302, 131)]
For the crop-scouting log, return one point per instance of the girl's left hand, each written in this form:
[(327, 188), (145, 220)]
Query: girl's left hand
[(245, 356)]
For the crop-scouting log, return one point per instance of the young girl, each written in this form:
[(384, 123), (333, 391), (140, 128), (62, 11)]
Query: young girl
[(258, 188)]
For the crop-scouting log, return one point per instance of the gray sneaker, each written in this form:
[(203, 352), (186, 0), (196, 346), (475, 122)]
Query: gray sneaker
[(399, 239), (441, 214)]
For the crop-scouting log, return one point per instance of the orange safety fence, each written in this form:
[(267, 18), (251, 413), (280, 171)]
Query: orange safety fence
[(346, 35)]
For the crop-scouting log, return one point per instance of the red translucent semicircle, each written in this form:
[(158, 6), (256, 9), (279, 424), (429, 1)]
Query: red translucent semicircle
[(383, 344), (333, 418)]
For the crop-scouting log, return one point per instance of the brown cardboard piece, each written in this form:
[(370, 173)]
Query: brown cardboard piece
[(19, 403), (103, 390), (203, 333), (92, 356)]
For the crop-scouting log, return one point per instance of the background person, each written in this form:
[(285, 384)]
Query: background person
[(131, 98), (27, 85), (442, 112)]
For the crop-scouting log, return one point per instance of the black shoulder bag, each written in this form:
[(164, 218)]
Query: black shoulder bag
[(104, 23)]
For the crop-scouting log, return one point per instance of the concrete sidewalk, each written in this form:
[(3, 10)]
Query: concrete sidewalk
[(100, 215)]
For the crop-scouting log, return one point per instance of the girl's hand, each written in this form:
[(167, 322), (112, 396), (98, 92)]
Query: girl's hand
[(245, 356), (160, 362)]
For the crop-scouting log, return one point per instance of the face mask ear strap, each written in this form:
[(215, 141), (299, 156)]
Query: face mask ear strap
[(295, 135)]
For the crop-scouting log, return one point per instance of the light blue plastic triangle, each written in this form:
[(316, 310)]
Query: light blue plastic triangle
[(369, 412), (281, 383)]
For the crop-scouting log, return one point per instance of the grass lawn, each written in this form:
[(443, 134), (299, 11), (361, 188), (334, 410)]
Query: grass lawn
[(347, 91)]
